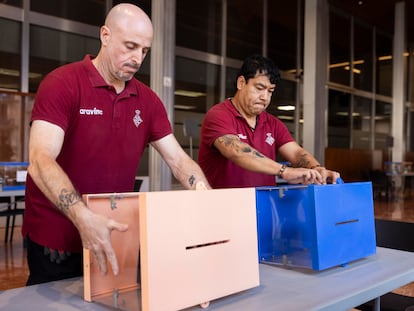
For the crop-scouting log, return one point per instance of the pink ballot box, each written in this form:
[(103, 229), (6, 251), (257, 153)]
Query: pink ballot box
[(194, 247)]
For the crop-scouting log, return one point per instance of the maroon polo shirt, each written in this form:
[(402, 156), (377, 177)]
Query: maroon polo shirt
[(105, 136), (222, 119)]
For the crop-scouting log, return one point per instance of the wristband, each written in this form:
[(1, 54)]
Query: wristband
[(281, 171)]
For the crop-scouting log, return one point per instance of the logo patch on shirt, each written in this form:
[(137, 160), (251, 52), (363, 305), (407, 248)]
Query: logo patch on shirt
[(241, 136), (137, 118), (269, 139), (91, 112)]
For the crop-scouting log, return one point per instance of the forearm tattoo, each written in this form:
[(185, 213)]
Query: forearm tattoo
[(191, 180), (67, 199), (303, 161), (229, 140)]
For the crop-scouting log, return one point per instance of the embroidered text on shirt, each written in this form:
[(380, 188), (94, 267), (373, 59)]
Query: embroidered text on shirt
[(94, 112)]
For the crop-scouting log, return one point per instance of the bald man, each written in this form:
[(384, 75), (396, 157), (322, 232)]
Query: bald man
[(90, 125)]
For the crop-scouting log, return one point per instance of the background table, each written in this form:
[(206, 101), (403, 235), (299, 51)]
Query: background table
[(10, 197), (340, 288)]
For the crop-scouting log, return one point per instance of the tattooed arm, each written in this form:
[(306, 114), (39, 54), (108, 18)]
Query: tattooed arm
[(299, 157), (45, 144), (184, 169), (247, 157)]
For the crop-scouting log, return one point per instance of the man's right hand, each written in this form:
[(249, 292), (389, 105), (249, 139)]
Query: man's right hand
[(95, 231)]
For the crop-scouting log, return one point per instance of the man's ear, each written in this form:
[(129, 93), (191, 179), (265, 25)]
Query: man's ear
[(241, 81), (105, 34)]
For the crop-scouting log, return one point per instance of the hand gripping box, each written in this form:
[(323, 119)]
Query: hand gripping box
[(182, 248), (315, 226)]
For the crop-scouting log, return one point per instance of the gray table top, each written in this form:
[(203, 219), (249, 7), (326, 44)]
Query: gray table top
[(340, 288), (12, 193)]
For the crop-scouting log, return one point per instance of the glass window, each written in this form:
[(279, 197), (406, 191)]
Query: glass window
[(361, 123), (51, 48), (196, 85), (231, 76), (410, 130), (338, 119), (384, 64), (282, 34), (339, 48), (15, 111), (410, 73), (85, 11), (363, 56), (283, 103), (18, 3), (145, 5), (244, 28), (198, 25), (383, 113), (10, 54), (196, 90)]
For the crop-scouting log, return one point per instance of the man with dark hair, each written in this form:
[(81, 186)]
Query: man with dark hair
[(240, 140)]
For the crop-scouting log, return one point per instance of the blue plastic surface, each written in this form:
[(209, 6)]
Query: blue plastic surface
[(13, 175), (12, 188), (315, 226)]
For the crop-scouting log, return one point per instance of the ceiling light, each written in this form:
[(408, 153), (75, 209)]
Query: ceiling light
[(16, 73), (286, 108), (184, 107), (189, 93)]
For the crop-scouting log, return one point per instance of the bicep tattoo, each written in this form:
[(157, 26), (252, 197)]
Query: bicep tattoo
[(67, 199)]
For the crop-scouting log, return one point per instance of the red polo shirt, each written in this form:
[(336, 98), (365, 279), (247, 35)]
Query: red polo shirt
[(105, 136), (270, 134)]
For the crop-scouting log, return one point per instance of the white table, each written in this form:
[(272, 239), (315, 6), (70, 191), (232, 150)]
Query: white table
[(340, 288)]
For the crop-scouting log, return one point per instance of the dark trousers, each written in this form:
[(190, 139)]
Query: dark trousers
[(46, 265)]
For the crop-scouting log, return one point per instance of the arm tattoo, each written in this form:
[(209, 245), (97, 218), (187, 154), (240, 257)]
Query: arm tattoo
[(303, 162), (258, 154), (191, 180), (229, 140), (67, 199)]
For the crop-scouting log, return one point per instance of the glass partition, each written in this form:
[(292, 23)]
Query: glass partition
[(90, 12), (384, 64), (363, 57), (383, 113), (361, 123), (15, 112), (339, 109), (50, 48), (339, 48), (10, 54), (198, 25)]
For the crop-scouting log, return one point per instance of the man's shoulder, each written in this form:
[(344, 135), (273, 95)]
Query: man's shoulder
[(70, 70), (220, 108)]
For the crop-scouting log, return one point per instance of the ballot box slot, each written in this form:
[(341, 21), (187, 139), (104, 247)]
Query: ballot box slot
[(206, 244), (346, 222)]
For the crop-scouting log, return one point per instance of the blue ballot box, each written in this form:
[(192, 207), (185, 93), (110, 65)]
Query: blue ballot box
[(315, 226)]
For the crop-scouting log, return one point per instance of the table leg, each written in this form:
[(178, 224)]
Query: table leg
[(377, 304)]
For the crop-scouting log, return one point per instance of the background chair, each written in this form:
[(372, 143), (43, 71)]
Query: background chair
[(10, 209)]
